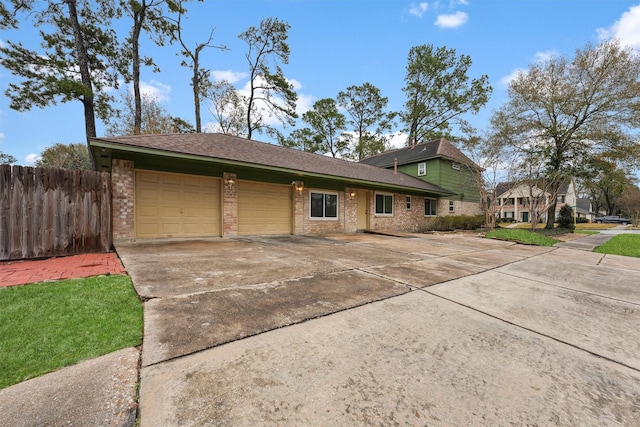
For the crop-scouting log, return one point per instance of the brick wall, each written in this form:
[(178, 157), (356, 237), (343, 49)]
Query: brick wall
[(403, 219), (229, 205), (123, 196)]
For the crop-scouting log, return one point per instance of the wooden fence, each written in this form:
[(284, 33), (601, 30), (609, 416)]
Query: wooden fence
[(48, 212)]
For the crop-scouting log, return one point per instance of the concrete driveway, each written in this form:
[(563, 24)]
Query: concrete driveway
[(378, 330)]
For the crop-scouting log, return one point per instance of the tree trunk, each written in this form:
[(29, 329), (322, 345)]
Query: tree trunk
[(138, 19), (551, 211), (83, 65)]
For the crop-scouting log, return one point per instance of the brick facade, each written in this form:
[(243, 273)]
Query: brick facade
[(123, 196), (229, 205), (405, 218)]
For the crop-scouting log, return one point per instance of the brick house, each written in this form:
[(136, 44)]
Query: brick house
[(196, 185), (441, 163)]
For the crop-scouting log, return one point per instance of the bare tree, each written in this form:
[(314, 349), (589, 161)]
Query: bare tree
[(200, 78)]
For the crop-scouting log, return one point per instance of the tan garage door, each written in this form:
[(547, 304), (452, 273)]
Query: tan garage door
[(176, 205), (263, 208)]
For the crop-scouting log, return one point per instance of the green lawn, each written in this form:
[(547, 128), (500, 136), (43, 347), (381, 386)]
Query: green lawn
[(47, 326), (522, 236), (622, 244)]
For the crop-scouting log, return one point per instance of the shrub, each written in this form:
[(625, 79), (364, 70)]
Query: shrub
[(456, 222), (565, 219)]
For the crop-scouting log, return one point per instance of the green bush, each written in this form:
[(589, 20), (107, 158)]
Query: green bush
[(582, 220), (565, 219), (456, 222)]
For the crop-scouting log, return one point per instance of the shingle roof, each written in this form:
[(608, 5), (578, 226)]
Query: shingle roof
[(423, 151), (260, 154)]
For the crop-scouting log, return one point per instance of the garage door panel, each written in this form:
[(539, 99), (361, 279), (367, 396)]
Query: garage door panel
[(264, 208), (176, 205)]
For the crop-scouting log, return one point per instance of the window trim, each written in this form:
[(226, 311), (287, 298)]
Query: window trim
[(452, 206), (435, 202), (325, 218), (422, 165), (408, 202), (375, 204)]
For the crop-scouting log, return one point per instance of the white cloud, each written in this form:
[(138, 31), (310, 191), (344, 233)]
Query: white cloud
[(538, 57), (31, 159), (626, 29), (304, 103), (2, 135), (399, 139), (418, 9), (544, 56), (506, 80), (453, 20), (228, 75), (2, 44), (156, 89)]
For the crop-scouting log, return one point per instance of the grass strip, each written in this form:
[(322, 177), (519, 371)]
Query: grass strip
[(521, 236), (622, 244), (47, 326)]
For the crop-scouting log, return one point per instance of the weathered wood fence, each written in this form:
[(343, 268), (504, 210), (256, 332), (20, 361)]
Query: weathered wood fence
[(48, 212)]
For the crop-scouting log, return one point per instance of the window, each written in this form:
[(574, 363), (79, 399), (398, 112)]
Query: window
[(384, 204), (324, 205), (422, 169), (430, 207), (455, 166), (408, 202), (561, 199), (452, 206)]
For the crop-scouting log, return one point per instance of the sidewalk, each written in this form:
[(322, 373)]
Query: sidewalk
[(32, 271)]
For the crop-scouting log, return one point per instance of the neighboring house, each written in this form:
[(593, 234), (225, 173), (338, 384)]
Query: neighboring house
[(210, 184), (441, 163), (585, 209), (514, 200)]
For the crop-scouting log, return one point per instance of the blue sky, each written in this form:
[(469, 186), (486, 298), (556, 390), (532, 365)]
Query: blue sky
[(338, 43)]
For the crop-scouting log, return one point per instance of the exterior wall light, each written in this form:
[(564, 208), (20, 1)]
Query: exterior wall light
[(298, 185)]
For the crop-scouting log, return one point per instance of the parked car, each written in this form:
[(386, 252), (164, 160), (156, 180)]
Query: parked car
[(612, 219)]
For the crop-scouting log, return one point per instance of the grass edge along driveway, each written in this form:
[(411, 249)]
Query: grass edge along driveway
[(622, 244), (47, 326)]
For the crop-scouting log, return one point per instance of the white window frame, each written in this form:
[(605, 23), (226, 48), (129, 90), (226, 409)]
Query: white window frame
[(435, 203), (422, 169), (409, 203), (452, 206), (324, 217), (455, 166), (375, 204)]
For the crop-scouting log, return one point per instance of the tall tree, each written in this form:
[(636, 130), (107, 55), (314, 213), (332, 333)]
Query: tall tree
[(72, 156), (155, 118), (302, 139), (147, 15), (569, 110), (371, 123), (79, 58), (228, 108), (630, 204), (201, 77), (269, 91), (327, 126), (439, 92)]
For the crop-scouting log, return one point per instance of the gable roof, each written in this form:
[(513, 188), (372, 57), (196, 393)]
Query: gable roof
[(222, 148), (419, 152)]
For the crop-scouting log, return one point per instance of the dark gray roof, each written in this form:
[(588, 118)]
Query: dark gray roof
[(234, 149), (419, 152)]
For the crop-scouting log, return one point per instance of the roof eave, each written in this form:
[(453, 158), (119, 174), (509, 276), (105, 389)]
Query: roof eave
[(96, 142)]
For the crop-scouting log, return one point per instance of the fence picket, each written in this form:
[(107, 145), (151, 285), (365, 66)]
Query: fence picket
[(48, 212)]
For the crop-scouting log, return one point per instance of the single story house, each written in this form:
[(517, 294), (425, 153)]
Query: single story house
[(441, 163), (211, 184)]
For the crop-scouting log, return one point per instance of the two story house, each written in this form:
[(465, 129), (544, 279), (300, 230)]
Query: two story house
[(438, 162), (521, 202)]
